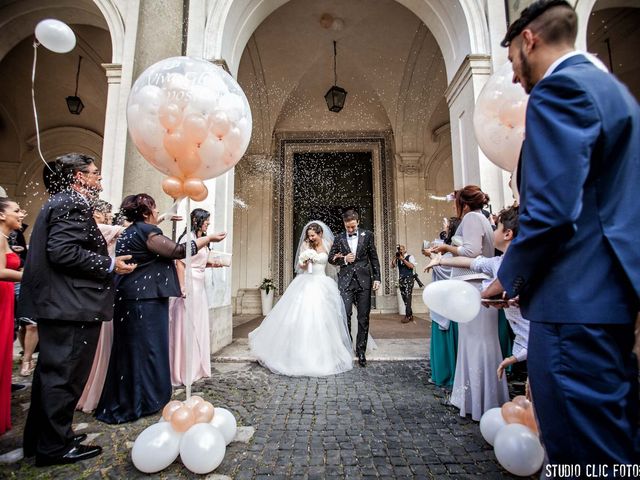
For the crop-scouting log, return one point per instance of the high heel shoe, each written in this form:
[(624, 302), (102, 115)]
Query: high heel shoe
[(27, 367)]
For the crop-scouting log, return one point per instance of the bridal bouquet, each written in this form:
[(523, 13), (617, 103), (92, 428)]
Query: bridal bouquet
[(310, 256)]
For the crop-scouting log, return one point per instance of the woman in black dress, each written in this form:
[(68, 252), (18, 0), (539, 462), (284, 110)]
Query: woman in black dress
[(138, 381)]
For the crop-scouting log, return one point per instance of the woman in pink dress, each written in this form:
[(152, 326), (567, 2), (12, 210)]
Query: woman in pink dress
[(93, 388), (201, 347), (10, 219)]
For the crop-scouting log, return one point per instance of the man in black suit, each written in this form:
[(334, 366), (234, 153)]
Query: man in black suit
[(354, 251), (67, 286)]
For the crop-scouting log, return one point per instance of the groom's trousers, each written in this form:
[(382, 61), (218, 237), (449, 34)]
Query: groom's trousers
[(354, 294)]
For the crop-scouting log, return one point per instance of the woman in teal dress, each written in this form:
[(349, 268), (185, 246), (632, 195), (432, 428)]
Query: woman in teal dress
[(444, 333)]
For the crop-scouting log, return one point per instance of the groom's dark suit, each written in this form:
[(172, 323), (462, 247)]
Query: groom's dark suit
[(354, 279)]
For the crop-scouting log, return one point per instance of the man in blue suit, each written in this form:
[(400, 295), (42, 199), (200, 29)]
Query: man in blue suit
[(576, 261)]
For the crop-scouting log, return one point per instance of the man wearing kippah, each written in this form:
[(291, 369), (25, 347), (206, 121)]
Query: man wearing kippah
[(576, 263)]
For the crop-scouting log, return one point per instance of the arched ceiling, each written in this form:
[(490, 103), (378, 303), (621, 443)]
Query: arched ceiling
[(388, 61)]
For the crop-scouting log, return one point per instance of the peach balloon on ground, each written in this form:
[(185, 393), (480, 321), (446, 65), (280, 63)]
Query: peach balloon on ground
[(522, 401), (193, 400), (182, 419), (512, 413), (169, 408), (204, 412)]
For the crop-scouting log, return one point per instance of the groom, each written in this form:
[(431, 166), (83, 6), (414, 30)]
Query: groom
[(354, 251)]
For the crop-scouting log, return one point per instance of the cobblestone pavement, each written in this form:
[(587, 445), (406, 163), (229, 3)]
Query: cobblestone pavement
[(382, 421)]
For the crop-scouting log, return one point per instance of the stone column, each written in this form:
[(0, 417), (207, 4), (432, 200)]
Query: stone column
[(113, 164), (470, 165), (152, 45)]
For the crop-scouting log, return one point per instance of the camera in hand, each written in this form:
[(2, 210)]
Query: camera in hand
[(398, 252)]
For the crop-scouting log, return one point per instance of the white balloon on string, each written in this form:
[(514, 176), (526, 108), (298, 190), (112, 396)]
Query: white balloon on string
[(55, 35)]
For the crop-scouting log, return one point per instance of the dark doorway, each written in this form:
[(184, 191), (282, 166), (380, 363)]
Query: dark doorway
[(325, 183)]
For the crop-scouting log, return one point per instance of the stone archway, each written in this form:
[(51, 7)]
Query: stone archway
[(458, 26)]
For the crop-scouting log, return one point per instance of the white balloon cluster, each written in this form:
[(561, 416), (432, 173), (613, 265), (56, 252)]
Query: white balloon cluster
[(191, 120), (201, 446), (453, 299), (516, 445)]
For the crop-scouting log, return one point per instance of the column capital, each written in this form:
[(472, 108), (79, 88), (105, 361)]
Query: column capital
[(475, 64), (113, 72), (410, 163)]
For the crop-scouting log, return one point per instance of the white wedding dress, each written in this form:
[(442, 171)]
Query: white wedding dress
[(306, 332)]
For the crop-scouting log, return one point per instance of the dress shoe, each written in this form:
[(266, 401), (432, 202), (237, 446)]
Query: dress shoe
[(76, 454), (75, 440), (362, 361), (407, 319), (16, 387)]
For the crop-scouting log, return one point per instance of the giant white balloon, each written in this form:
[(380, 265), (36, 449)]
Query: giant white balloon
[(491, 423), (202, 448), (499, 117), (453, 299), (55, 35), (518, 450), (156, 448), (189, 118), (224, 421)]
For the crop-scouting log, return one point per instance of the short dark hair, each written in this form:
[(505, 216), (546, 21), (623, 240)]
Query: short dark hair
[(509, 219), (350, 215), (60, 174), (553, 27), (136, 207)]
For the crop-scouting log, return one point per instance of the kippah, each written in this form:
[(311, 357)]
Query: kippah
[(528, 15)]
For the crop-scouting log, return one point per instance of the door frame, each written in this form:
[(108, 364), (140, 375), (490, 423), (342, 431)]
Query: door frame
[(379, 145)]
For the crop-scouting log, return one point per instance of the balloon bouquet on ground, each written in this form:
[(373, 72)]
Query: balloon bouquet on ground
[(499, 121), (191, 121)]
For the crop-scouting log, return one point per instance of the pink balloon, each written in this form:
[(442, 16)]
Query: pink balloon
[(499, 118)]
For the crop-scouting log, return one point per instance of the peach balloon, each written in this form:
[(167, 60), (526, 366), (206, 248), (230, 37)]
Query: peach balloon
[(177, 145), (512, 413), (204, 412), (170, 408), (195, 127), (173, 187), (170, 115), (522, 401), (529, 420), (193, 400), (195, 189), (182, 419), (189, 162), (219, 124)]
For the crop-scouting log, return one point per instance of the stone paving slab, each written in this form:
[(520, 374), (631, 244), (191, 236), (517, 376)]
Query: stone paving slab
[(389, 349), (382, 421)]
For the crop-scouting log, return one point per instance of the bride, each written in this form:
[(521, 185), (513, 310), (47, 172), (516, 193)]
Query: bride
[(306, 332)]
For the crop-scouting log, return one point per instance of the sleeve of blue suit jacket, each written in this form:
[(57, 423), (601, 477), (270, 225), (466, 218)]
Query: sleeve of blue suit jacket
[(563, 127)]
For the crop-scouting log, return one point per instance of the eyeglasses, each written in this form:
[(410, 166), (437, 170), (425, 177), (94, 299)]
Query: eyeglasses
[(95, 172)]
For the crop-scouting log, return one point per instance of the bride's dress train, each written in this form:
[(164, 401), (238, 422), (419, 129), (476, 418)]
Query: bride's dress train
[(306, 332)]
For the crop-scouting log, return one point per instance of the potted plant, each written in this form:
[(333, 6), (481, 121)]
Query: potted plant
[(267, 287)]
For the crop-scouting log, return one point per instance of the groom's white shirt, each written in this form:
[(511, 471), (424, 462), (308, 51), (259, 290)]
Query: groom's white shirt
[(353, 242)]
